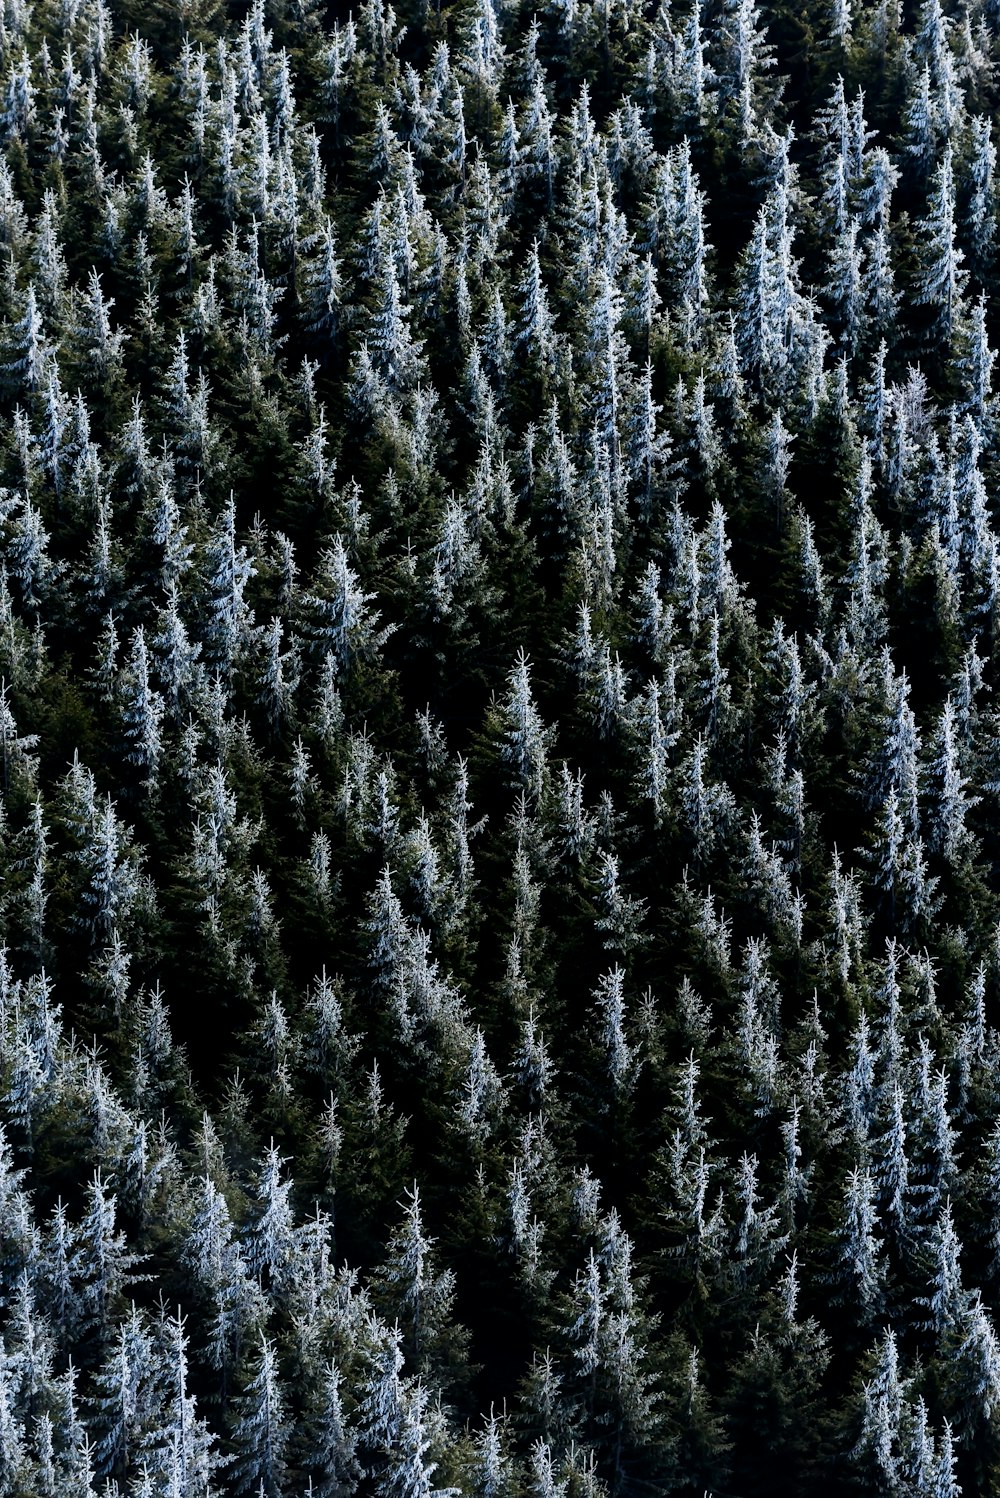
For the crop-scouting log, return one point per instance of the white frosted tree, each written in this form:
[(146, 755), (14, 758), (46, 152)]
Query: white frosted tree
[(859, 1271), (341, 622), (522, 733), (261, 1431), (142, 712), (941, 280), (332, 1446), (416, 1292)]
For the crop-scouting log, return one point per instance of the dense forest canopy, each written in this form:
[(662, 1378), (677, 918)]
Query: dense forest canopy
[(500, 819)]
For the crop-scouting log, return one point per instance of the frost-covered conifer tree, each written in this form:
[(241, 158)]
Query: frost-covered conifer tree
[(261, 1434)]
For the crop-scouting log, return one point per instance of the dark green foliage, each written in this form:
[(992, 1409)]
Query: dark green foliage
[(499, 597)]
